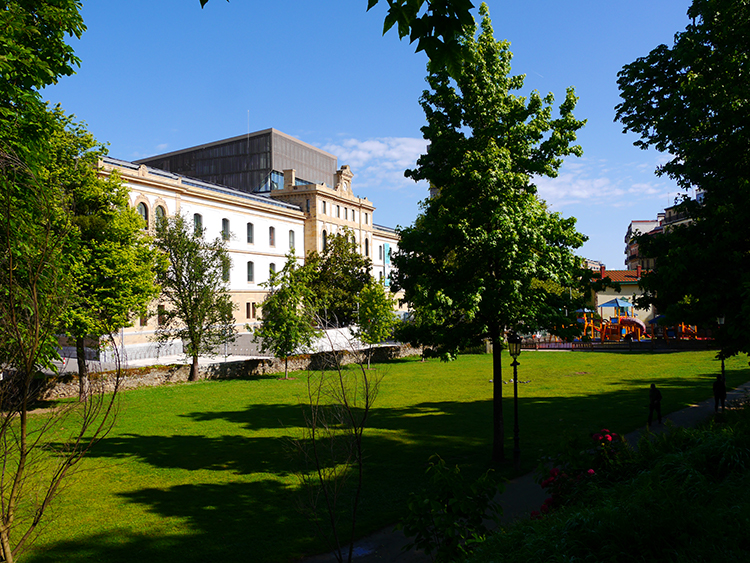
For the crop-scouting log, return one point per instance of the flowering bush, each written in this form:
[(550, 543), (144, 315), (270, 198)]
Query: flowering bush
[(568, 476)]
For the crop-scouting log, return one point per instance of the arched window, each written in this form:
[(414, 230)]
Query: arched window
[(143, 212), (367, 247), (291, 240), (250, 233), (250, 272), (198, 224), (225, 229), (272, 236), (325, 240), (160, 213)]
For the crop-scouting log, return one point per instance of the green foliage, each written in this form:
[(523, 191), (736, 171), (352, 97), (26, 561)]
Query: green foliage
[(35, 280), (376, 318), (112, 259), (199, 309), (288, 314), (690, 102), (451, 513), (336, 277), (681, 497)]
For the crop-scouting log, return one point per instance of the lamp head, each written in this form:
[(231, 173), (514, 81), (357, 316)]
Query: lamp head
[(514, 345)]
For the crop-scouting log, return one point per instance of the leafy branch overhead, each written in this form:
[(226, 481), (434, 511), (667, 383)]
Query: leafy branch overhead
[(436, 26)]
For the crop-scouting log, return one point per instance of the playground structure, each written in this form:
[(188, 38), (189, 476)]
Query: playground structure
[(623, 325)]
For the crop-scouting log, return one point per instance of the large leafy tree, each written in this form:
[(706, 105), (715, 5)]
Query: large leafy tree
[(288, 322), (692, 101), (111, 259), (483, 254), (336, 277), (197, 307), (37, 281)]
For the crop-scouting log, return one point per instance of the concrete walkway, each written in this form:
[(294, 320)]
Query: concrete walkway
[(522, 494)]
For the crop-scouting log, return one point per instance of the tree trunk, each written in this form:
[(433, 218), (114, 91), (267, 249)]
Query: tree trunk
[(83, 372), (286, 367), (498, 426), (194, 370)]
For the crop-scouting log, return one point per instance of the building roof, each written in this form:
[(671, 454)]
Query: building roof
[(623, 276)]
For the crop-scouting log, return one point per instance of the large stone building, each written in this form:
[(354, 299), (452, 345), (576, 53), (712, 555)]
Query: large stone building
[(269, 214)]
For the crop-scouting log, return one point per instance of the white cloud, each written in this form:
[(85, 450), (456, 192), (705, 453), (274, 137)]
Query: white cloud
[(599, 183), (380, 163)]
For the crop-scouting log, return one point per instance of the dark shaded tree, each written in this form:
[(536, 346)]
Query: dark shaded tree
[(691, 101)]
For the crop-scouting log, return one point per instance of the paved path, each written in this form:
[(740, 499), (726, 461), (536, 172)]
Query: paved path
[(521, 496)]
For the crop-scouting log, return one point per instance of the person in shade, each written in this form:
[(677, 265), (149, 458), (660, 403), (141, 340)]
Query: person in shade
[(654, 404), (720, 393)]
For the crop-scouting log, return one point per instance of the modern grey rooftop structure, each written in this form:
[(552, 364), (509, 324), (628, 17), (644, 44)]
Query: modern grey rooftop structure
[(252, 163)]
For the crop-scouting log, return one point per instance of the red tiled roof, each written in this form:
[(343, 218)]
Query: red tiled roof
[(623, 276)]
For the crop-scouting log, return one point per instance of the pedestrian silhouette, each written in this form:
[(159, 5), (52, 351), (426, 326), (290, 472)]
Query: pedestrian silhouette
[(654, 404), (720, 393)]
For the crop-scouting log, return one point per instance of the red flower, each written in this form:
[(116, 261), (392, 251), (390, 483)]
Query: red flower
[(591, 472), (608, 438), (598, 437), (605, 431)]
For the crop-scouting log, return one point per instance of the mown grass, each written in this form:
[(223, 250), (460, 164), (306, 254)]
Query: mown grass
[(203, 471)]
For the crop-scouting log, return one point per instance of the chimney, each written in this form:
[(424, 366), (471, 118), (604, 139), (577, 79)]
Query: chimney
[(638, 272), (602, 269)]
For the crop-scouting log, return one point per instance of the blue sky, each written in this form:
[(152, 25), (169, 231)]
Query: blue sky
[(163, 75)]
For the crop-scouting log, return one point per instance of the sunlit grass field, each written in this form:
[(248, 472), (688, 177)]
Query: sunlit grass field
[(204, 471)]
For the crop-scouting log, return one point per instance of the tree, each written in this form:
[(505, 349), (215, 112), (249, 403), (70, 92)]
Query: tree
[(288, 313), (437, 26), (691, 102), (36, 288), (376, 319), (482, 254), (112, 259), (336, 277), (37, 284), (197, 307)]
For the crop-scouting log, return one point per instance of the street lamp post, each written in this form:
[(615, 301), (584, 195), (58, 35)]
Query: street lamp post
[(514, 349), (720, 322)]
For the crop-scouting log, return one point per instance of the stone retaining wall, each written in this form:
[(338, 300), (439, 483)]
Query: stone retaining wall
[(160, 375)]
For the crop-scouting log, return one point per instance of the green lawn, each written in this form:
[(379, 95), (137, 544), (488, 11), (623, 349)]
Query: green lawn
[(203, 471)]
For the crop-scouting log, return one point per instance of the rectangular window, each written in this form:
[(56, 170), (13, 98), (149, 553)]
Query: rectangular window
[(225, 229), (291, 240), (272, 236), (346, 213), (324, 207), (143, 320), (198, 224), (250, 272), (248, 310), (380, 252), (255, 310), (225, 273), (366, 219), (250, 234), (272, 268), (160, 315), (338, 212), (307, 205)]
